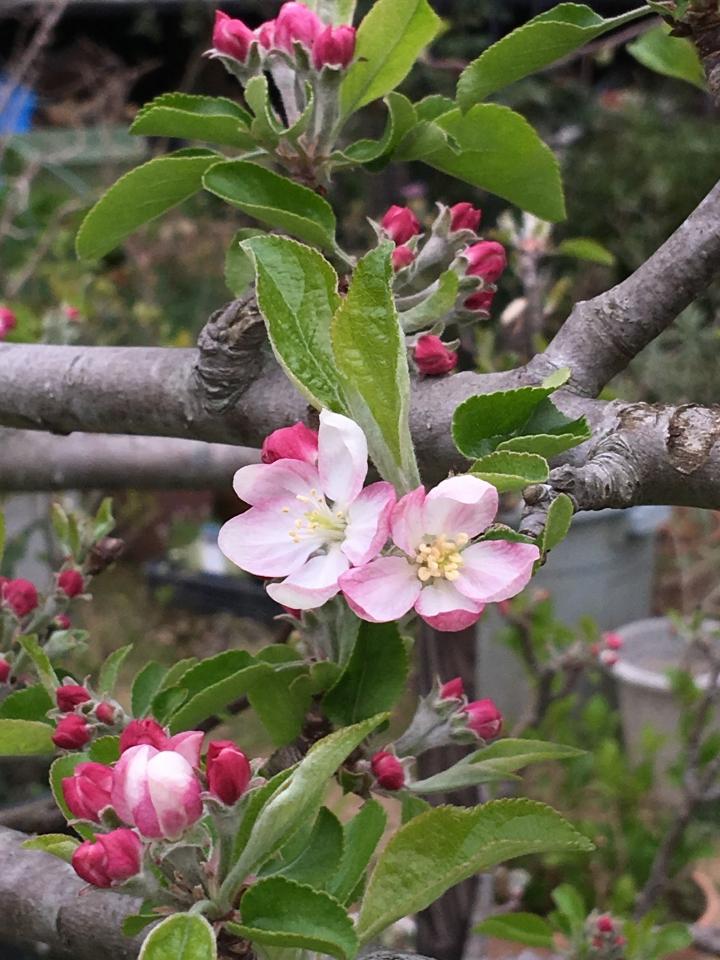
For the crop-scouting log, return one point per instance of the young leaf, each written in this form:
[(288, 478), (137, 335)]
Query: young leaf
[(215, 698), (434, 308), (498, 150), (440, 848), (460, 775), (374, 677), (32, 703), (111, 668), (315, 857), (583, 248), (333, 11), (281, 913), (371, 357), (525, 928), (548, 445), (389, 41), (570, 904), (376, 153), (46, 674), (145, 685), (538, 43), (279, 703), (559, 518), (182, 936), (25, 738), (253, 803), (297, 294), (104, 521), (210, 671), (140, 196), (187, 117), (274, 200), (479, 423), (674, 57), (511, 471), (362, 834), (239, 269), (511, 754), (58, 845), (105, 750)]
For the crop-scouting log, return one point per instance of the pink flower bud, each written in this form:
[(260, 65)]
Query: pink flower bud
[(605, 924), (4, 670), (106, 713), (146, 731), (484, 719), (608, 658), (112, 858), (613, 641), (291, 443), (8, 321), (465, 217), (71, 695), (156, 791), (265, 34), (21, 596), (388, 770), (334, 47), (453, 690), (188, 744), (400, 224), (482, 300), (87, 791), (296, 22), (402, 257), (72, 732), (72, 314), (71, 583), (62, 622), (486, 259), (432, 357), (231, 37), (228, 771)]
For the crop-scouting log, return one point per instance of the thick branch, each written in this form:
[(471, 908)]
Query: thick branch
[(34, 461), (601, 336)]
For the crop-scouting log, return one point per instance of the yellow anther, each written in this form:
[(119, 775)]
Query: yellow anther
[(441, 558)]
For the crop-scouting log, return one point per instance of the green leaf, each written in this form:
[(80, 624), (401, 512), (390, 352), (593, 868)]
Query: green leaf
[(111, 668), (673, 57), (460, 775), (333, 11), (374, 677), (548, 445), (281, 913), (500, 531), (274, 200), (499, 151), (265, 128), (239, 269), (45, 672), (511, 471), (435, 307), (104, 521), (297, 295), (145, 685), (362, 834), (25, 738), (510, 754), (211, 670), (313, 859), (32, 703), (412, 806), (583, 248), (546, 418), (440, 848), (136, 923), (105, 750), (434, 106), (183, 936), (480, 422), (525, 928), (400, 120), (137, 198), (389, 40), (280, 704), (570, 904), (253, 802), (371, 357), (187, 117), (557, 524), (538, 43), (215, 698), (58, 845)]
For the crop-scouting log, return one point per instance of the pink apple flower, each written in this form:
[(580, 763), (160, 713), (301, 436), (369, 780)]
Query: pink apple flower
[(432, 357), (402, 257), (440, 571), (72, 732), (112, 858), (388, 770), (228, 771), (309, 523), (334, 46), (71, 695), (156, 791), (296, 22), (148, 732), (464, 216), (484, 718), (265, 34), (291, 443), (5, 670), (488, 260), (453, 689), (400, 224), (8, 321), (87, 791), (231, 37)]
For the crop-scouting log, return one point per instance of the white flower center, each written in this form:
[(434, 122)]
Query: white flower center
[(318, 519), (440, 558)]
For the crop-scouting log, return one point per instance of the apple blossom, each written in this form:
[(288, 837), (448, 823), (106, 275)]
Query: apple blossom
[(388, 770), (432, 357), (439, 570), (8, 321), (156, 791), (149, 732), (402, 256), (334, 47), (453, 689), (296, 23), (464, 216), (4, 670), (265, 34), (400, 224), (231, 37), (72, 732), (20, 595), (71, 695), (309, 523), (71, 583), (484, 718), (486, 259), (228, 771), (106, 713), (112, 858), (87, 791), (291, 443)]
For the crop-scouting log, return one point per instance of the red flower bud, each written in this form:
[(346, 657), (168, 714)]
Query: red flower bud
[(486, 259), (4, 670), (72, 732), (21, 596), (228, 771), (296, 22), (114, 857), (105, 712), (8, 321), (87, 791), (265, 34), (388, 770), (72, 314), (402, 257), (613, 641), (71, 695), (453, 690), (148, 731), (432, 357), (482, 300), (484, 719), (231, 37), (334, 46), (62, 621), (71, 583), (605, 924), (465, 217), (291, 443), (400, 224)]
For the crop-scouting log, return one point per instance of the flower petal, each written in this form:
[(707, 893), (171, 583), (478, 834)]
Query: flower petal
[(174, 793), (259, 540), (464, 504), (188, 744), (368, 522), (496, 570), (445, 608), (313, 584), (259, 482), (130, 791), (382, 590), (407, 523), (342, 457)]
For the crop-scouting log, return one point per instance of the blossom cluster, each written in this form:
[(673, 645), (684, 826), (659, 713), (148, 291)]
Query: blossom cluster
[(8, 321), (313, 524)]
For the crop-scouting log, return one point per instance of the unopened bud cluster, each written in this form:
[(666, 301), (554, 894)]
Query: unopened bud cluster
[(604, 936), (608, 651)]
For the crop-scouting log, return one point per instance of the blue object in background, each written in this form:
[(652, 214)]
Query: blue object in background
[(17, 115)]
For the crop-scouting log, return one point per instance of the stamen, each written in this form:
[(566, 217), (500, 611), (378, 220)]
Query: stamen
[(441, 558)]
